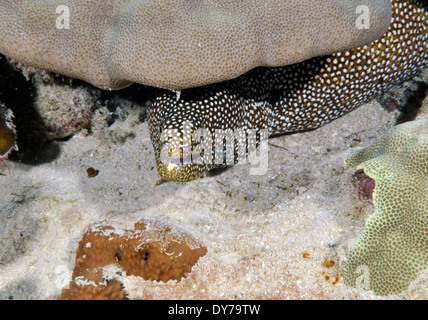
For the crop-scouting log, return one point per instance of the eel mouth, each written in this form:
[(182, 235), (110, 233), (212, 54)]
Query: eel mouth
[(185, 173), (179, 164)]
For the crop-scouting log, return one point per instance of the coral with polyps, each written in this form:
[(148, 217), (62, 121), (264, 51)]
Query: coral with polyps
[(179, 44), (152, 250), (393, 249)]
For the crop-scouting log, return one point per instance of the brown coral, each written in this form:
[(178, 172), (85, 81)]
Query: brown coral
[(152, 250), (89, 290)]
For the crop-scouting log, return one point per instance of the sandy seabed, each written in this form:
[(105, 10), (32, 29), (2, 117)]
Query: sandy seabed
[(267, 236)]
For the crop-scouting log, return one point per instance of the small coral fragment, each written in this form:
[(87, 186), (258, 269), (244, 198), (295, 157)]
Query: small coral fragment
[(336, 280), (91, 172), (306, 255), (393, 249), (7, 133), (328, 263), (152, 250)]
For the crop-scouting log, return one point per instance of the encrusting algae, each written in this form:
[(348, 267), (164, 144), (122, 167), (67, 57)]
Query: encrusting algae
[(153, 250)]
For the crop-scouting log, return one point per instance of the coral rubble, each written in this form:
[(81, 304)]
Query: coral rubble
[(65, 110)]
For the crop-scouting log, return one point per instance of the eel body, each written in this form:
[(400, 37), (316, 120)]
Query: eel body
[(190, 129)]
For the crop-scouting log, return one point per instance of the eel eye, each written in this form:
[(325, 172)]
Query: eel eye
[(160, 127)]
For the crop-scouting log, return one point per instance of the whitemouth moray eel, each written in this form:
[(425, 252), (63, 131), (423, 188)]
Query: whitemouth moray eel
[(294, 98)]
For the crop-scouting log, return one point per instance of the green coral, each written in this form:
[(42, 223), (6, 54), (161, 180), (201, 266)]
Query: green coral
[(393, 249)]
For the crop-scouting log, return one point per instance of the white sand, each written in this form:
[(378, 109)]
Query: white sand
[(256, 228)]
